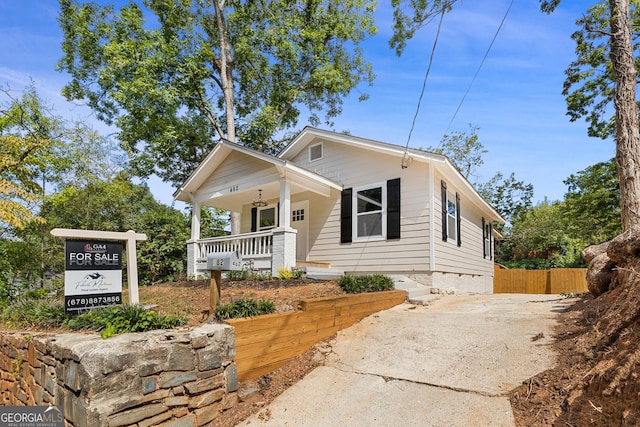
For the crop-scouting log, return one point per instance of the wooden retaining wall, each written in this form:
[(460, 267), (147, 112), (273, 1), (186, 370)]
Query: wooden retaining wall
[(554, 281), (266, 343)]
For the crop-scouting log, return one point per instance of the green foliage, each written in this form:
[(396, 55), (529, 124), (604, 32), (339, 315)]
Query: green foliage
[(244, 308), (154, 70), (510, 197), (366, 283), (285, 273), (260, 275), (589, 87), (409, 18), (47, 313), (592, 203), (122, 319), (38, 313), (27, 132), (553, 234), (464, 150), (119, 205), (237, 275), (212, 221)]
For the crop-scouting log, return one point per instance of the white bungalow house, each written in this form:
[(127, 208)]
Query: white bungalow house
[(354, 205)]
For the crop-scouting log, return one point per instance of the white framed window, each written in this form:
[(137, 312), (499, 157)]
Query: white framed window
[(267, 218), (315, 152), (452, 218), (369, 212)]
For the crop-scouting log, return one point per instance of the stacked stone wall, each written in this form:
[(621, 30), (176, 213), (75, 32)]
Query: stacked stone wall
[(177, 378)]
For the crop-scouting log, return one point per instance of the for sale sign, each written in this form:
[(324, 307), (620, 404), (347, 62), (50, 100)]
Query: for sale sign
[(93, 274)]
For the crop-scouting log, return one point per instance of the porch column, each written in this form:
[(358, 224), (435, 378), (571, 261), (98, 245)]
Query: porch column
[(284, 237), (285, 204), (193, 250)]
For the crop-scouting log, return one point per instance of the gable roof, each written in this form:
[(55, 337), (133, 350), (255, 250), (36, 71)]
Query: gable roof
[(405, 157), (224, 148)]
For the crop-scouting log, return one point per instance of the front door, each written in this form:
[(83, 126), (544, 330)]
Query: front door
[(300, 221)]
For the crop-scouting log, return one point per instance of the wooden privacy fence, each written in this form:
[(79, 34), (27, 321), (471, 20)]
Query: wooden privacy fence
[(265, 343), (554, 281)]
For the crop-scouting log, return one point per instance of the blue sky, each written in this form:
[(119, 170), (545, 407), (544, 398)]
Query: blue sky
[(515, 101)]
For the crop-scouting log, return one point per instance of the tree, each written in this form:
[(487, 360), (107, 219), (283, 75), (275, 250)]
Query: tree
[(610, 74), (592, 203), (540, 239), (409, 19), (590, 85), (172, 75), (119, 205), (510, 197), (463, 149), (27, 131)]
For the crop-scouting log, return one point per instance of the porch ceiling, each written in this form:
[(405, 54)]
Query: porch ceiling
[(236, 200)]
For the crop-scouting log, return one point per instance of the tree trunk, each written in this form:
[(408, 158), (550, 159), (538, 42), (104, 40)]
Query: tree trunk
[(226, 71), (627, 139), (226, 77)]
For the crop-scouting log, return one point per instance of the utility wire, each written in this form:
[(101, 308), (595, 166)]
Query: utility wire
[(495, 36), (424, 84)]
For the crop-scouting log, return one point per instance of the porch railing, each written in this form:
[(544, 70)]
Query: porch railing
[(250, 245)]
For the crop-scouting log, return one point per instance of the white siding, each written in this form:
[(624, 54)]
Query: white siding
[(237, 170), (468, 258), (353, 168)]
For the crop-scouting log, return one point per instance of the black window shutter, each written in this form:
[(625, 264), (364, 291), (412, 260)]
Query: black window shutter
[(443, 190), (345, 215), (484, 239), (393, 209), (278, 215), (458, 219), (254, 220)]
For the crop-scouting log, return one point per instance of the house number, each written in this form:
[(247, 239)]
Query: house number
[(233, 189)]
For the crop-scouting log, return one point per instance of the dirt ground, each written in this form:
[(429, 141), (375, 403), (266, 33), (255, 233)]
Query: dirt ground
[(571, 394), (575, 392)]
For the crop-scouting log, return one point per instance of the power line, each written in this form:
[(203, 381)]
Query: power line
[(495, 36), (424, 84)]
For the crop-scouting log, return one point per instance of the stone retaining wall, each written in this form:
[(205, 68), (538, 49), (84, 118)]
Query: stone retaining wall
[(175, 378)]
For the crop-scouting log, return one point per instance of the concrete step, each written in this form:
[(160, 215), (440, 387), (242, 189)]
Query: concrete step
[(321, 273), (413, 288)]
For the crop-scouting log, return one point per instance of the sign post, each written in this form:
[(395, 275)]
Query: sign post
[(216, 263), (130, 237)]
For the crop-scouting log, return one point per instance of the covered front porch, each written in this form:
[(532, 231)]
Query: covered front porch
[(269, 200)]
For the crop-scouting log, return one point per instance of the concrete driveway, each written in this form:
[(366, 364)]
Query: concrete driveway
[(451, 363)]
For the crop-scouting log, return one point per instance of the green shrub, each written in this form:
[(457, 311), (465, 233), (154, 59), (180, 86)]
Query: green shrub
[(29, 312), (260, 275), (244, 308), (236, 275), (122, 319), (365, 283), (285, 273)]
